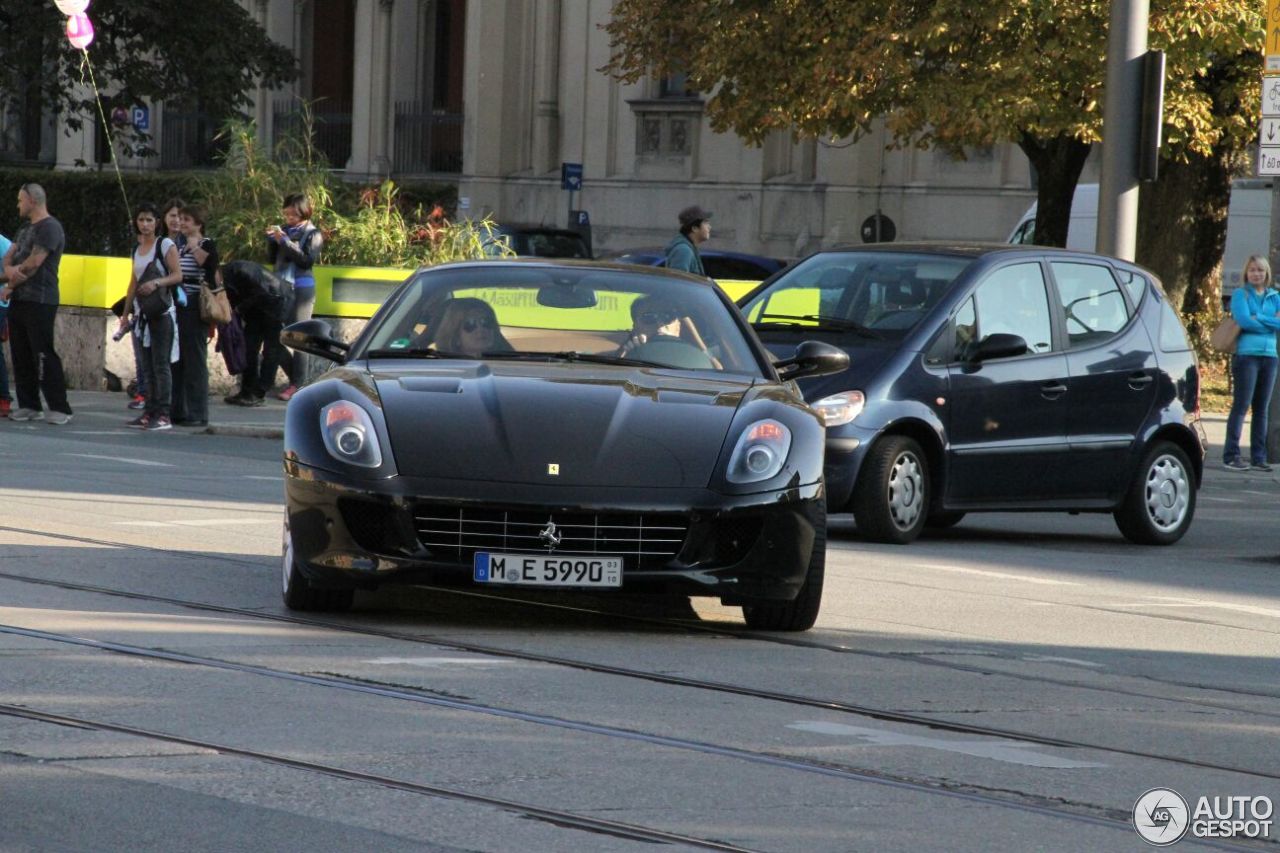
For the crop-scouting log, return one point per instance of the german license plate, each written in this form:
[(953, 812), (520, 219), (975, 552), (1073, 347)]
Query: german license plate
[(547, 570)]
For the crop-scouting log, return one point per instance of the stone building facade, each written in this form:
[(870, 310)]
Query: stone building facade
[(497, 94)]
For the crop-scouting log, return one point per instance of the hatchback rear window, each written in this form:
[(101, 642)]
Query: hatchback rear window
[(1173, 337)]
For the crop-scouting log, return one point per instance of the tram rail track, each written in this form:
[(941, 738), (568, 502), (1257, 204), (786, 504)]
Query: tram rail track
[(1000, 798), (832, 705), (555, 817)]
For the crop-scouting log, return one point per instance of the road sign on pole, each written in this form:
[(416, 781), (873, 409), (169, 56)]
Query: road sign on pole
[(571, 176)]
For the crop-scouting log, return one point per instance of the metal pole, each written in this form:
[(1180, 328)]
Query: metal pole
[(1118, 195)]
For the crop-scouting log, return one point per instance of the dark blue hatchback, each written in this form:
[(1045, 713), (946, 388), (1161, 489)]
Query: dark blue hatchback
[(994, 377)]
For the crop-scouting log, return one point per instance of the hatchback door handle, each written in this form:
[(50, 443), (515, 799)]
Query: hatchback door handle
[(1138, 381), (1052, 390)]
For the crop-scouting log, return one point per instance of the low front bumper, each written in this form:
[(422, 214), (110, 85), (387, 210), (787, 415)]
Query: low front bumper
[(365, 533)]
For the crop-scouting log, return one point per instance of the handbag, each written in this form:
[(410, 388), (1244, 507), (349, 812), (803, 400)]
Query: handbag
[(215, 307), (1225, 336)]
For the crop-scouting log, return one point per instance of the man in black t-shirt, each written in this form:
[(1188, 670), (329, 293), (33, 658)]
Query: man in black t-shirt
[(31, 286), (262, 300)]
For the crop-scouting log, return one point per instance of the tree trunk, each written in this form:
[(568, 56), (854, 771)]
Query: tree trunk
[(1182, 228), (1058, 162)]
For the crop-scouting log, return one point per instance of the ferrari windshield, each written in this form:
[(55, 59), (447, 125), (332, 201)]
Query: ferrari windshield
[(510, 311)]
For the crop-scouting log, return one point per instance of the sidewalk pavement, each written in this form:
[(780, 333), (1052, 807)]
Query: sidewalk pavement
[(107, 409)]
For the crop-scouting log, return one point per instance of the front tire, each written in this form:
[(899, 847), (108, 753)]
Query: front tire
[(298, 593), (891, 498), (800, 613), (1161, 501)]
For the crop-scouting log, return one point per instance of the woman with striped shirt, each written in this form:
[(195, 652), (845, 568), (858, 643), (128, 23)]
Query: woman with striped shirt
[(199, 258)]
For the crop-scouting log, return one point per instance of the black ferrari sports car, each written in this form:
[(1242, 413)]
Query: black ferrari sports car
[(530, 423)]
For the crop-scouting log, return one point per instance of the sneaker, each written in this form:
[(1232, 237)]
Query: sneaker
[(138, 403), (287, 393), (243, 400), (1261, 466), (1236, 465), (159, 422), (140, 422), (57, 418), (26, 415)]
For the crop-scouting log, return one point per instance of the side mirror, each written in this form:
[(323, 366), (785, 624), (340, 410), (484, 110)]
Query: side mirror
[(314, 337), (998, 345), (813, 358)]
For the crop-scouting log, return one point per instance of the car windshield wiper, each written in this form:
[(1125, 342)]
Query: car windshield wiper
[(572, 355), (818, 321)]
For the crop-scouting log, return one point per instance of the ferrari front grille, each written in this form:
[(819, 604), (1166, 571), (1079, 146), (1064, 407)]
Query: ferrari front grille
[(459, 532)]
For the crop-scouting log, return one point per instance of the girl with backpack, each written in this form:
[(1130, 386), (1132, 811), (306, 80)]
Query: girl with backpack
[(149, 307)]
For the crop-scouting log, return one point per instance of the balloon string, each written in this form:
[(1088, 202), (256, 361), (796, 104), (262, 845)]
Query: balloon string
[(106, 128)]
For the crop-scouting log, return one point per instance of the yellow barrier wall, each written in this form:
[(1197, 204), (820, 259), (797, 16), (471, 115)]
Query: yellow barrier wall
[(352, 292)]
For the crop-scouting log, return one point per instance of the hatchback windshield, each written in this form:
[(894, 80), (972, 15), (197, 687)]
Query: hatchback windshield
[(885, 293), (496, 312)]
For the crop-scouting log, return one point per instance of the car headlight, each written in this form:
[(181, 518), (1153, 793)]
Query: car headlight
[(349, 434), (760, 452), (840, 409)]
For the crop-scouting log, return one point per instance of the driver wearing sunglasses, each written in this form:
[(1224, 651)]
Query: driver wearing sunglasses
[(654, 318), (469, 327)]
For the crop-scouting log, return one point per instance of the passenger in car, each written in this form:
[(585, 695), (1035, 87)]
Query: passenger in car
[(470, 327)]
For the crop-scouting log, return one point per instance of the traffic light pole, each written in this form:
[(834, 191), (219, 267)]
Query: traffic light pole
[(1121, 130)]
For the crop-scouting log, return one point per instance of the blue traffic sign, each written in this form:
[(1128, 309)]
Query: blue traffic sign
[(579, 217), (571, 176), (142, 118)]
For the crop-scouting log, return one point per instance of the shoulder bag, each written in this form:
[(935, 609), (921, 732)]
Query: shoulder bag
[(215, 307), (1225, 336)]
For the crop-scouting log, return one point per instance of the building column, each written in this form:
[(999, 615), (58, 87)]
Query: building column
[(77, 148), (546, 69), (372, 113)]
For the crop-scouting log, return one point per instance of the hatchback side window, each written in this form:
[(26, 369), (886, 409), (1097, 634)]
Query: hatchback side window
[(1012, 300), (1092, 301)]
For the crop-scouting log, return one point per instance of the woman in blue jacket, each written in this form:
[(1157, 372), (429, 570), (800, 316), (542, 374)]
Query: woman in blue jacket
[(1256, 308)]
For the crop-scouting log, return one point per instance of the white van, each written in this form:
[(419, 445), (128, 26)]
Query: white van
[(1082, 229), (1248, 226), (1248, 229)]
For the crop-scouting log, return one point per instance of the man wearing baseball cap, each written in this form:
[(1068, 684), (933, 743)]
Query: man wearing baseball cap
[(682, 251)]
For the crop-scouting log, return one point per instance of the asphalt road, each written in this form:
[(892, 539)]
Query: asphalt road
[(1014, 683)]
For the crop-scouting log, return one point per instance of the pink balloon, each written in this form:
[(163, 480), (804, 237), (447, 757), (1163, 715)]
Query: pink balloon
[(79, 31), (71, 7)]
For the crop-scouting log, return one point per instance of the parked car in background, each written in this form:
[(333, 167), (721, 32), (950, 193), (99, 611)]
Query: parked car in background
[(720, 265), (994, 377), (528, 423), (541, 241)]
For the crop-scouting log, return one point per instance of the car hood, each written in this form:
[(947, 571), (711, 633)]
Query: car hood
[(518, 422), (865, 361)]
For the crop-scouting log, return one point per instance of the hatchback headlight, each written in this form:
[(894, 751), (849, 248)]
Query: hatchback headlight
[(840, 409), (760, 453), (349, 434)]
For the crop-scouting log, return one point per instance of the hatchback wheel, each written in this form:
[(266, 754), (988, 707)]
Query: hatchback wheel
[(891, 498), (298, 592), (1161, 501)]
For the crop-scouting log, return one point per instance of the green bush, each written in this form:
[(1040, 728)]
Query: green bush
[(384, 226), (90, 205)]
